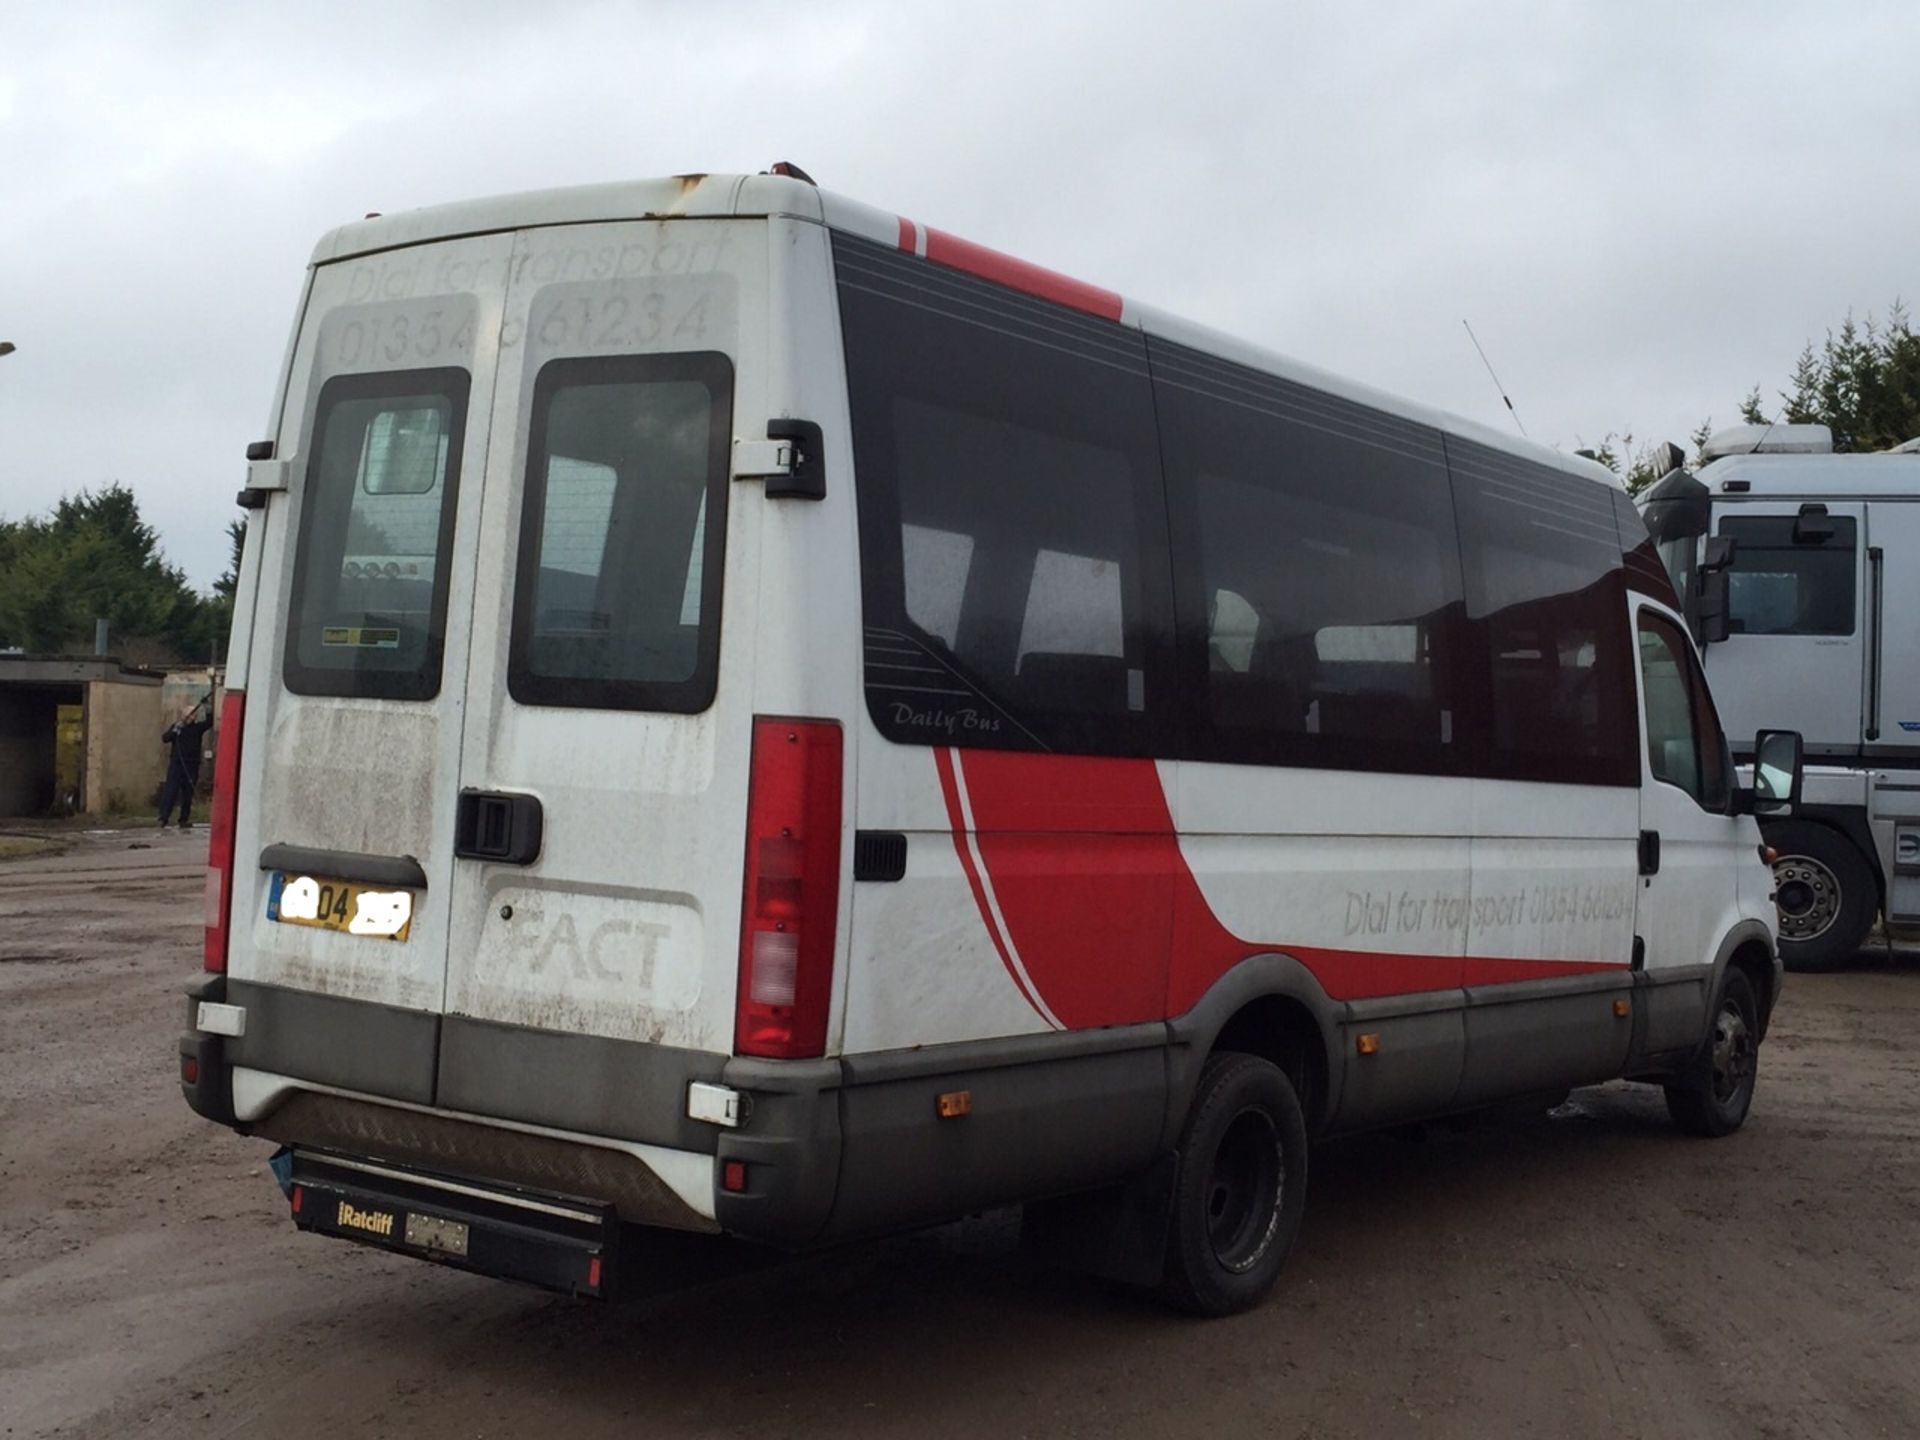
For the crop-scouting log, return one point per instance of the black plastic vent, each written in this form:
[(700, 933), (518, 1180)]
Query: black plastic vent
[(879, 855)]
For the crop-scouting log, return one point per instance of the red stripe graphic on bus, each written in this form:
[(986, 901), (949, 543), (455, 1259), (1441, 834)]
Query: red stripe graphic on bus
[(1103, 914), (1036, 280), (957, 817)]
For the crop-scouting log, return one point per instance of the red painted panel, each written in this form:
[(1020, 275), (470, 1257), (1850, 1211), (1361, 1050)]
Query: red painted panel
[(1106, 916), (909, 235), (1090, 917), (958, 254), (1065, 794)]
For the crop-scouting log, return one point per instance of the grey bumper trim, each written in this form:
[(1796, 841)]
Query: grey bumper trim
[(623, 1089), (351, 1044)]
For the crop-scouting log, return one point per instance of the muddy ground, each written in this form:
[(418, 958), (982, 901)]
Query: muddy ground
[(1589, 1273)]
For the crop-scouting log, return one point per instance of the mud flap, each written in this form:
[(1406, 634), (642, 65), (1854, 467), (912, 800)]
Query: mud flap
[(1119, 1233)]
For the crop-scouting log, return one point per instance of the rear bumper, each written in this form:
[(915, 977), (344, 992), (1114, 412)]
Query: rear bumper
[(206, 1082)]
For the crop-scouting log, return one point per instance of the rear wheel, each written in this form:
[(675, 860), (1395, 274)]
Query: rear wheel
[(1240, 1187), (1824, 893), (1714, 1099)]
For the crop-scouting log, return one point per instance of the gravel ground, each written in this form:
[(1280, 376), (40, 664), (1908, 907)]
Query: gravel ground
[(1588, 1273)]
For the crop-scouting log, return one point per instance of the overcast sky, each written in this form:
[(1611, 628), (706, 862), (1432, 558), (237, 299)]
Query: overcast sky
[(1643, 208)]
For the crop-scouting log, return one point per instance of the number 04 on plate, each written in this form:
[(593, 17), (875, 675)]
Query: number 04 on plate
[(339, 905)]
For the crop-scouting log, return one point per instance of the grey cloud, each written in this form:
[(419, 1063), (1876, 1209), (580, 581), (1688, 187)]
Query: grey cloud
[(1643, 208)]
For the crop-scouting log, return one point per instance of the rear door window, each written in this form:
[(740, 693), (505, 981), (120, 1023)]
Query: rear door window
[(369, 604), (617, 596)]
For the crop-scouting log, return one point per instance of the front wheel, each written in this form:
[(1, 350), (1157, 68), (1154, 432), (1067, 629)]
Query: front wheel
[(1714, 1099), (1240, 1187)]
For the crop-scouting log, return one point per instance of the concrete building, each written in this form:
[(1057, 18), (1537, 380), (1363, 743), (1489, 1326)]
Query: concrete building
[(83, 733)]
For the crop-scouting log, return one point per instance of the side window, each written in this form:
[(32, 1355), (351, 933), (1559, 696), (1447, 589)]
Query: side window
[(368, 610), (1783, 585), (1317, 562), (1547, 598), (1013, 562), (1685, 745), (617, 596)]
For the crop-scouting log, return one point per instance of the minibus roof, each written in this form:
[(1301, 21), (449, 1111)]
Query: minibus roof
[(694, 195)]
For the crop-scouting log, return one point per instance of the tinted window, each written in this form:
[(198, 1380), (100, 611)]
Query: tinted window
[(368, 611), (1780, 586), (1685, 746), (617, 597), (1318, 572), (1545, 594), (1011, 520)]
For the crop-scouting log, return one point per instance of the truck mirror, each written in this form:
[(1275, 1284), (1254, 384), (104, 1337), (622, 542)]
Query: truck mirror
[(1718, 554), (1812, 526), (1710, 608), (1778, 757)]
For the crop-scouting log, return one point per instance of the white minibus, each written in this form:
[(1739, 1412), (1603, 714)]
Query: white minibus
[(752, 716)]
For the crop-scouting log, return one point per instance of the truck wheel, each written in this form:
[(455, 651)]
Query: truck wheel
[(1714, 1098), (1239, 1189), (1824, 893)]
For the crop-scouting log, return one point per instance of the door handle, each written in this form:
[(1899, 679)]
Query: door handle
[(497, 825), (1649, 852)]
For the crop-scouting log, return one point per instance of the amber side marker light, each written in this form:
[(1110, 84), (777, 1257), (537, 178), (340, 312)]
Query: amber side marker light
[(1622, 1008), (954, 1104), (1769, 854), (1368, 1044)]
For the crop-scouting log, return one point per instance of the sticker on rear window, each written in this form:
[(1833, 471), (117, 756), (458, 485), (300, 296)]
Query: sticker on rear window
[(360, 637)]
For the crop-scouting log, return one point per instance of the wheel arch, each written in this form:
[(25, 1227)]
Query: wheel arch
[(1270, 1006), (1749, 948)]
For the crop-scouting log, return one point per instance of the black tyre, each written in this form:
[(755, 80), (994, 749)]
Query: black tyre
[(1714, 1099), (1240, 1187), (1824, 892)]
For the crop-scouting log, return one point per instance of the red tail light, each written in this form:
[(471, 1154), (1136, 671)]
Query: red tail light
[(226, 784), (792, 900)]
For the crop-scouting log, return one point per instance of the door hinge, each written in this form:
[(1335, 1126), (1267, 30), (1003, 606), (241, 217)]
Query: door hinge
[(757, 459), (789, 460), (1649, 852)]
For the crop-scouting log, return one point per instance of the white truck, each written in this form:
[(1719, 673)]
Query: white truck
[(1800, 570)]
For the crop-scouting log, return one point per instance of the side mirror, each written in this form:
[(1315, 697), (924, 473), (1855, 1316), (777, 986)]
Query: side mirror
[(1710, 603), (1813, 526), (1778, 770)]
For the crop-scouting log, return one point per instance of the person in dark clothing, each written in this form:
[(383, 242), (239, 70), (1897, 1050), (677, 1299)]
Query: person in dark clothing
[(182, 739)]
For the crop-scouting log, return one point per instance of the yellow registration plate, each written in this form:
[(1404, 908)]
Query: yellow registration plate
[(339, 905)]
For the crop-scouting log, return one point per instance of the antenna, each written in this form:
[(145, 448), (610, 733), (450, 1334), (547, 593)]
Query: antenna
[(1495, 378)]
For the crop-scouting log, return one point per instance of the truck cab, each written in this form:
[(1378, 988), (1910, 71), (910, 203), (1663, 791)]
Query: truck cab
[(1796, 565)]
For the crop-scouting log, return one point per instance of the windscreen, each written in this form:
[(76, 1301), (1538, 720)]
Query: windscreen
[(368, 612)]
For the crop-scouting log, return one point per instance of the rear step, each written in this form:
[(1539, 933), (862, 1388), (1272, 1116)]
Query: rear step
[(556, 1242)]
